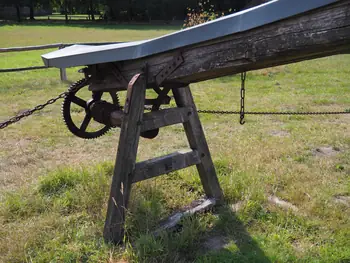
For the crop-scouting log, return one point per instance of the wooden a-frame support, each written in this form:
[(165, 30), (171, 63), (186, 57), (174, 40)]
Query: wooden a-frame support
[(127, 171)]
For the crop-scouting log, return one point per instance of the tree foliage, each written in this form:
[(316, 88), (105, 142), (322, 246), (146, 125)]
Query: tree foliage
[(137, 10)]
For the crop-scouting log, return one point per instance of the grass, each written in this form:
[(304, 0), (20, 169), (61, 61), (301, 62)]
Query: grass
[(54, 186)]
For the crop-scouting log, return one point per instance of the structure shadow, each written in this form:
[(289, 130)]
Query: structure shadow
[(229, 232), (230, 241)]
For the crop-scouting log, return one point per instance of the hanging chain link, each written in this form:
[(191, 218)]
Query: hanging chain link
[(242, 111), (243, 77)]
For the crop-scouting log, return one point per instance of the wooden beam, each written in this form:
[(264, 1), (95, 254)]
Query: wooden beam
[(21, 69), (196, 138), (166, 117), (156, 119), (318, 33), (49, 46), (125, 162), (175, 219), (30, 48), (165, 164)]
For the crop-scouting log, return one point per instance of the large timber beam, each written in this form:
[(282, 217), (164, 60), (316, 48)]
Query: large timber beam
[(321, 32)]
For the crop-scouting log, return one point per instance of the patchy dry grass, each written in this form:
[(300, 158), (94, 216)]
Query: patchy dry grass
[(54, 186)]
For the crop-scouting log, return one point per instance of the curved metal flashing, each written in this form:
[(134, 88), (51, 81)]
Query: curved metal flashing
[(79, 55)]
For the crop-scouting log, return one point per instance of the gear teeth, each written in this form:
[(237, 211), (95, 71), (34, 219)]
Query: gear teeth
[(75, 87), (118, 100)]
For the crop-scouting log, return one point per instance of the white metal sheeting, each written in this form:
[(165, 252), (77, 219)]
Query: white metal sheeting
[(79, 55)]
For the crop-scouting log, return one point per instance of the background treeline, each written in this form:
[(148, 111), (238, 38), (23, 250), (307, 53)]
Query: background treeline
[(127, 10)]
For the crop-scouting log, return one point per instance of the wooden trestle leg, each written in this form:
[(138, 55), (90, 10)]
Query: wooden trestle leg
[(197, 141), (127, 171), (125, 162)]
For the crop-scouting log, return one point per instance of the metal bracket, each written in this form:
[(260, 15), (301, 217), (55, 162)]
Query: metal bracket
[(169, 69), (118, 75)]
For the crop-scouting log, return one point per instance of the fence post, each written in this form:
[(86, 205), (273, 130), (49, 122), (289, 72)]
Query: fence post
[(63, 71)]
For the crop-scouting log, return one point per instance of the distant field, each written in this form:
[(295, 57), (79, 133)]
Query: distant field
[(54, 186)]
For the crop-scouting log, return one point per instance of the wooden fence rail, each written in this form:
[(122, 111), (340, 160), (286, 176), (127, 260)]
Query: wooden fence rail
[(63, 73), (30, 48)]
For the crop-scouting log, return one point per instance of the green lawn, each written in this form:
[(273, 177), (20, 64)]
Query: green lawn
[(54, 186)]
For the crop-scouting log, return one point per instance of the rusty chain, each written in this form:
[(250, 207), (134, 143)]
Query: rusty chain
[(39, 107), (241, 118), (27, 113), (221, 112), (242, 112)]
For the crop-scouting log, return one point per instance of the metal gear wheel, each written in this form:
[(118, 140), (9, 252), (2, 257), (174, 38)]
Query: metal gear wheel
[(71, 98)]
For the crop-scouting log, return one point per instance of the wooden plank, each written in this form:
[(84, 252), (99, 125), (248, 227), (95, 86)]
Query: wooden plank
[(155, 119), (165, 164), (29, 48), (319, 33), (197, 141), (174, 220), (49, 46), (125, 162), (21, 69), (166, 117)]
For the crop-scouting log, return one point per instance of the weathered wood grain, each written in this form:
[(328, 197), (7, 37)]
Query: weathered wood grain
[(125, 162), (175, 219), (197, 141), (166, 117), (165, 164), (318, 33)]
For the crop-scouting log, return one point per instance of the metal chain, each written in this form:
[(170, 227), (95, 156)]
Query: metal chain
[(242, 112), (220, 112), (39, 107), (27, 113), (243, 77)]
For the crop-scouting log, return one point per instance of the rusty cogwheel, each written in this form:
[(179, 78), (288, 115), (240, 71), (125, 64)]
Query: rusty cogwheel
[(81, 107)]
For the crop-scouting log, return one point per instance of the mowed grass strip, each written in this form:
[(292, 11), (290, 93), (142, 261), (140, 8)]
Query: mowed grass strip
[(55, 186)]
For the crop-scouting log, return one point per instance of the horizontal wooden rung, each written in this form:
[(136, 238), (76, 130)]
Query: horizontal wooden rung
[(165, 164), (157, 119)]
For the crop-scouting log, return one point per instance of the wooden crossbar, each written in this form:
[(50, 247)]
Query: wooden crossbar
[(166, 117), (165, 164)]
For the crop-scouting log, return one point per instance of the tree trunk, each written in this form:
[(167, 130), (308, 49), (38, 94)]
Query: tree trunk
[(92, 11), (130, 11), (31, 10), (66, 10), (111, 11), (18, 12)]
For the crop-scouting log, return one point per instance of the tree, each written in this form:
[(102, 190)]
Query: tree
[(17, 4)]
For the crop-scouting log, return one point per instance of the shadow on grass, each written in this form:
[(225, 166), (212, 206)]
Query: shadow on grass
[(97, 25), (236, 244), (210, 237)]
